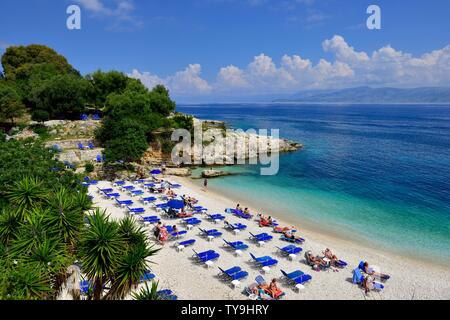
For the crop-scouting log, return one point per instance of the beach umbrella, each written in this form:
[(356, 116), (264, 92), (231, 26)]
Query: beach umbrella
[(156, 171), (176, 204)]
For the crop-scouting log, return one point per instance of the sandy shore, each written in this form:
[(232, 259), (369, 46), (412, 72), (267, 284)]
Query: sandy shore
[(410, 279)]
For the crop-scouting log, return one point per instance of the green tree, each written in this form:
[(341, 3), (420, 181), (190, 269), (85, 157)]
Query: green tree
[(62, 95), (11, 105), (17, 58), (105, 83), (128, 147)]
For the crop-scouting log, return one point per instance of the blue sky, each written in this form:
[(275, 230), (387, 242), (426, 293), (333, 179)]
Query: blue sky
[(220, 48)]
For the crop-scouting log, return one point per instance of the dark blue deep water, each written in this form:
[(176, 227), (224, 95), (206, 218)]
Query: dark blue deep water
[(381, 173)]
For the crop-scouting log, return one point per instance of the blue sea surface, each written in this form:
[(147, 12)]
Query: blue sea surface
[(378, 172)]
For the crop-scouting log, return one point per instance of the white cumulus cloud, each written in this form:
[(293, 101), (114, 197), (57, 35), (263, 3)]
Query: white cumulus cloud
[(349, 67)]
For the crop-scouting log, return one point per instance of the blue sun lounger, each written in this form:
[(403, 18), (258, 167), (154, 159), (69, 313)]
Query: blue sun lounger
[(199, 209), (265, 261), (119, 183), (234, 273), (192, 221), (235, 226), (147, 276), (206, 255), (124, 202), (137, 192), (166, 294), (106, 190), (149, 185), (211, 233), (187, 243), (175, 185), (139, 181), (241, 214), (216, 217), (262, 237), (136, 210), (297, 240), (358, 278), (290, 249), (178, 234), (148, 199), (80, 146), (151, 219), (237, 245), (84, 286), (129, 188), (296, 277), (361, 266), (91, 145), (112, 195)]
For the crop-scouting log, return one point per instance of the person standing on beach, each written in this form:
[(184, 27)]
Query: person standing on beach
[(205, 184)]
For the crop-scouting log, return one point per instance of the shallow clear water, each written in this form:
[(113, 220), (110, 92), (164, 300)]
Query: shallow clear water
[(378, 172)]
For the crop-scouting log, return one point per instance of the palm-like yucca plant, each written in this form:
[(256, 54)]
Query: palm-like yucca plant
[(130, 232), (100, 249), (148, 293), (10, 221), (51, 255), (65, 215), (31, 234), (27, 193), (129, 270), (25, 282), (82, 201)]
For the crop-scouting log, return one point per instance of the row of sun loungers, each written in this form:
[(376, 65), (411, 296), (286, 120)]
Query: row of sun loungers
[(296, 278)]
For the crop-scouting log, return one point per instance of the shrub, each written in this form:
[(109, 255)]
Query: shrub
[(89, 167)]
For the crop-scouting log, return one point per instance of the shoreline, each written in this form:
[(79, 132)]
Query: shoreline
[(310, 229)]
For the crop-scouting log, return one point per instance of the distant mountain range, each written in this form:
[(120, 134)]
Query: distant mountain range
[(439, 95)]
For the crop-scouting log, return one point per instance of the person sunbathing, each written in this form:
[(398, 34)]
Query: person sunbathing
[(316, 261), (265, 222), (272, 289), (329, 255), (184, 214), (289, 235), (370, 271), (261, 293), (238, 207), (283, 229)]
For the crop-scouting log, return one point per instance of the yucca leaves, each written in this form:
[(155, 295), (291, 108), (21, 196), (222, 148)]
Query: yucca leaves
[(10, 221), (148, 293), (129, 270), (65, 214), (100, 249), (27, 193)]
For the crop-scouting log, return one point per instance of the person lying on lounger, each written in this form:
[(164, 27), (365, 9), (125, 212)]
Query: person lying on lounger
[(184, 214), (292, 236), (261, 293), (370, 271), (316, 261), (284, 229), (272, 289), (329, 255), (265, 222), (238, 207)]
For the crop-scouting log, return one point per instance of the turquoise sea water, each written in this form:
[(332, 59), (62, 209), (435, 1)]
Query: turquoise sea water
[(379, 173)]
